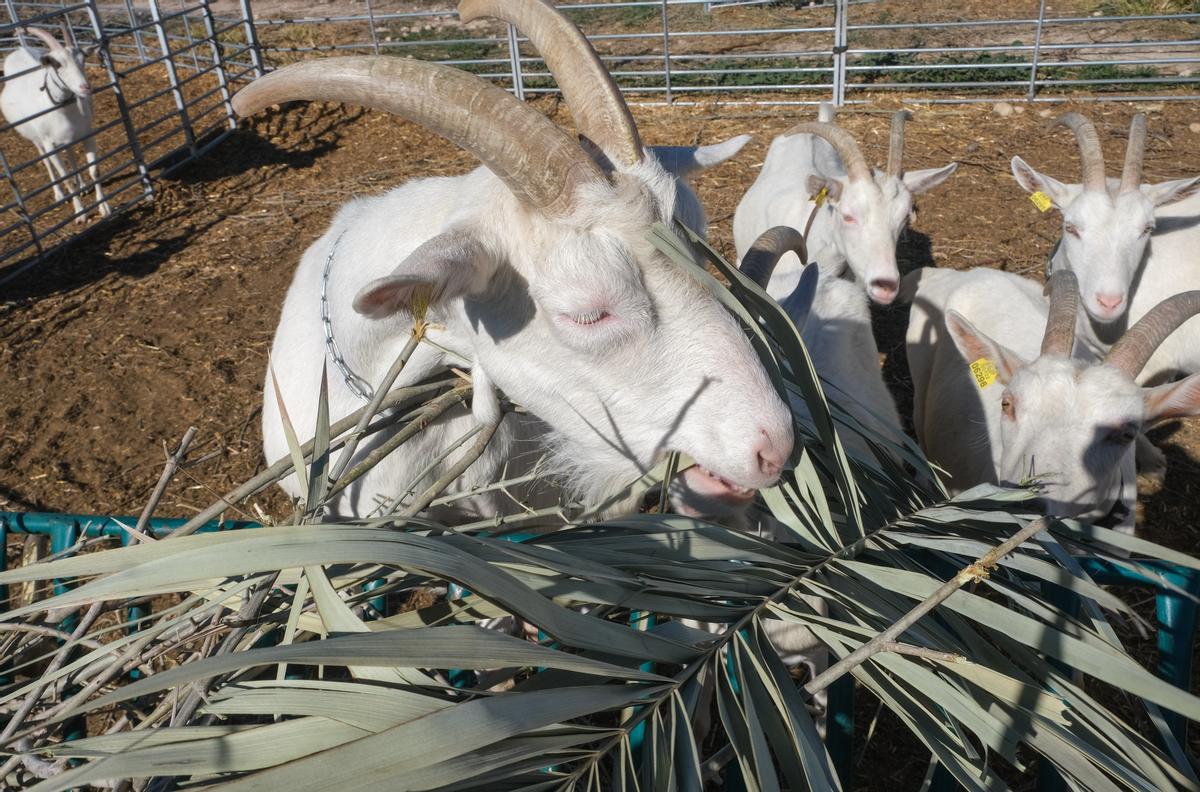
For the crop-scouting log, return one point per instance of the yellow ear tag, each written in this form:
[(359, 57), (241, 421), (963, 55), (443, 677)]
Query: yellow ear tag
[(985, 372), (1041, 200), (819, 198)]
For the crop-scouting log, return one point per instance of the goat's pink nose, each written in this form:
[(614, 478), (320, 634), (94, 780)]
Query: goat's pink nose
[(1110, 302), (883, 290), (771, 454)]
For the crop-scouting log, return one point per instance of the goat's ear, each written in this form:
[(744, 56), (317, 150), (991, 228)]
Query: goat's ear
[(920, 181), (975, 346), (1173, 400), (817, 183), (686, 160), (1034, 181), (1169, 192), (799, 303), (447, 266)]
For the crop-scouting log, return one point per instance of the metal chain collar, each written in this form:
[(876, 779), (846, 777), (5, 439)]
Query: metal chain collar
[(357, 385), (69, 94)]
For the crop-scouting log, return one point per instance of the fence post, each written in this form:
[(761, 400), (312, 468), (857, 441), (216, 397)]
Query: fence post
[(106, 58), (210, 30), (252, 39), (666, 31), (173, 77), (841, 11), (371, 22), (514, 63), (20, 197), (1037, 51), (137, 33)]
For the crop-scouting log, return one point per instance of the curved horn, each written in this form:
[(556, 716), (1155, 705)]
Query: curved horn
[(1135, 155), (538, 162), (68, 33), (1063, 288), (1091, 156), (592, 96), (845, 146), (1133, 350), (896, 144), (760, 260), (50, 41)]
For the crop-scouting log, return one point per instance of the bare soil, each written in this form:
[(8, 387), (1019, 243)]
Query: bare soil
[(163, 319)]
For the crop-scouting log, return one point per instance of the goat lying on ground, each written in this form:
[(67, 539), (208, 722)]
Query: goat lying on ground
[(48, 100), (859, 224), (997, 400)]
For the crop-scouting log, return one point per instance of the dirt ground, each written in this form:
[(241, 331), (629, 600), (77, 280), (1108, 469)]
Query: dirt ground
[(164, 319)]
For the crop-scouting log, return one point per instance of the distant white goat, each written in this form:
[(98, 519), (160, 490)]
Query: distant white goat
[(542, 282), (998, 400), (834, 320), (1128, 253), (49, 88), (859, 224)]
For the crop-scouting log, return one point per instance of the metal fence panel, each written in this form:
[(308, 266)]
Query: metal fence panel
[(170, 67)]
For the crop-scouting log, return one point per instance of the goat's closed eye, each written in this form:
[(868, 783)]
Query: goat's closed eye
[(849, 219), (588, 318), (1073, 230)]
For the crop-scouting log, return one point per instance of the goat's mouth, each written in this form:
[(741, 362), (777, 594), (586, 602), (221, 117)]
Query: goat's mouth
[(709, 484)]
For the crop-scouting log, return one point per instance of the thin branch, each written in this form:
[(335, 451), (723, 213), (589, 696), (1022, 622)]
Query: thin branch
[(881, 643), (160, 488), (454, 471)]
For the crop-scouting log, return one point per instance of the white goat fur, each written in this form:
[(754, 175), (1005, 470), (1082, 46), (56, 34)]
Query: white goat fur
[(1068, 421), (1129, 251), (669, 369), (857, 228), (27, 70)]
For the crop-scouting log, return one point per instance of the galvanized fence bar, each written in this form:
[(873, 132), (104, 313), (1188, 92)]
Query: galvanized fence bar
[(119, 95), (841, 12), (1037, 50), (252, 38), (137, 34), (371, 27), (210, 30), (173, 76), (666, 44), (514, 60)]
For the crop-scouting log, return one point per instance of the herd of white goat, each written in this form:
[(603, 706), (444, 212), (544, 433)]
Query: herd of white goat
[(540, 279), (47, 99)]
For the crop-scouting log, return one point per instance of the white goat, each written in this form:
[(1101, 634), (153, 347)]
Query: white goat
[(860, 223), (48, 100), (834, 320), (998, 400), (542, 281)]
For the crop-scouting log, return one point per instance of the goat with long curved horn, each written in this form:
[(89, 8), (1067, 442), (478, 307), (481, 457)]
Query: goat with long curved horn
[(1063, 289), (760, 260), (842, 142), (538, 162), (1090, 154), (1135, 155), (49, 40), (1134, 349), (592, 96), (895, 160)]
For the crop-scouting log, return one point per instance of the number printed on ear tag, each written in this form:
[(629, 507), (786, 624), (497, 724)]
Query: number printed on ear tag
[(1041, 200), (985, 372)]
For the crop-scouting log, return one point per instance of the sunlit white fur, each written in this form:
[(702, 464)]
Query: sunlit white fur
[(796, 167), (668, 369), (1072, 422), (1129, 251), (26, 71)]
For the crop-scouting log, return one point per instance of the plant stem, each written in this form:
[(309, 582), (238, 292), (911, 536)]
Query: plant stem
[(881, 643), (160, 488)]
